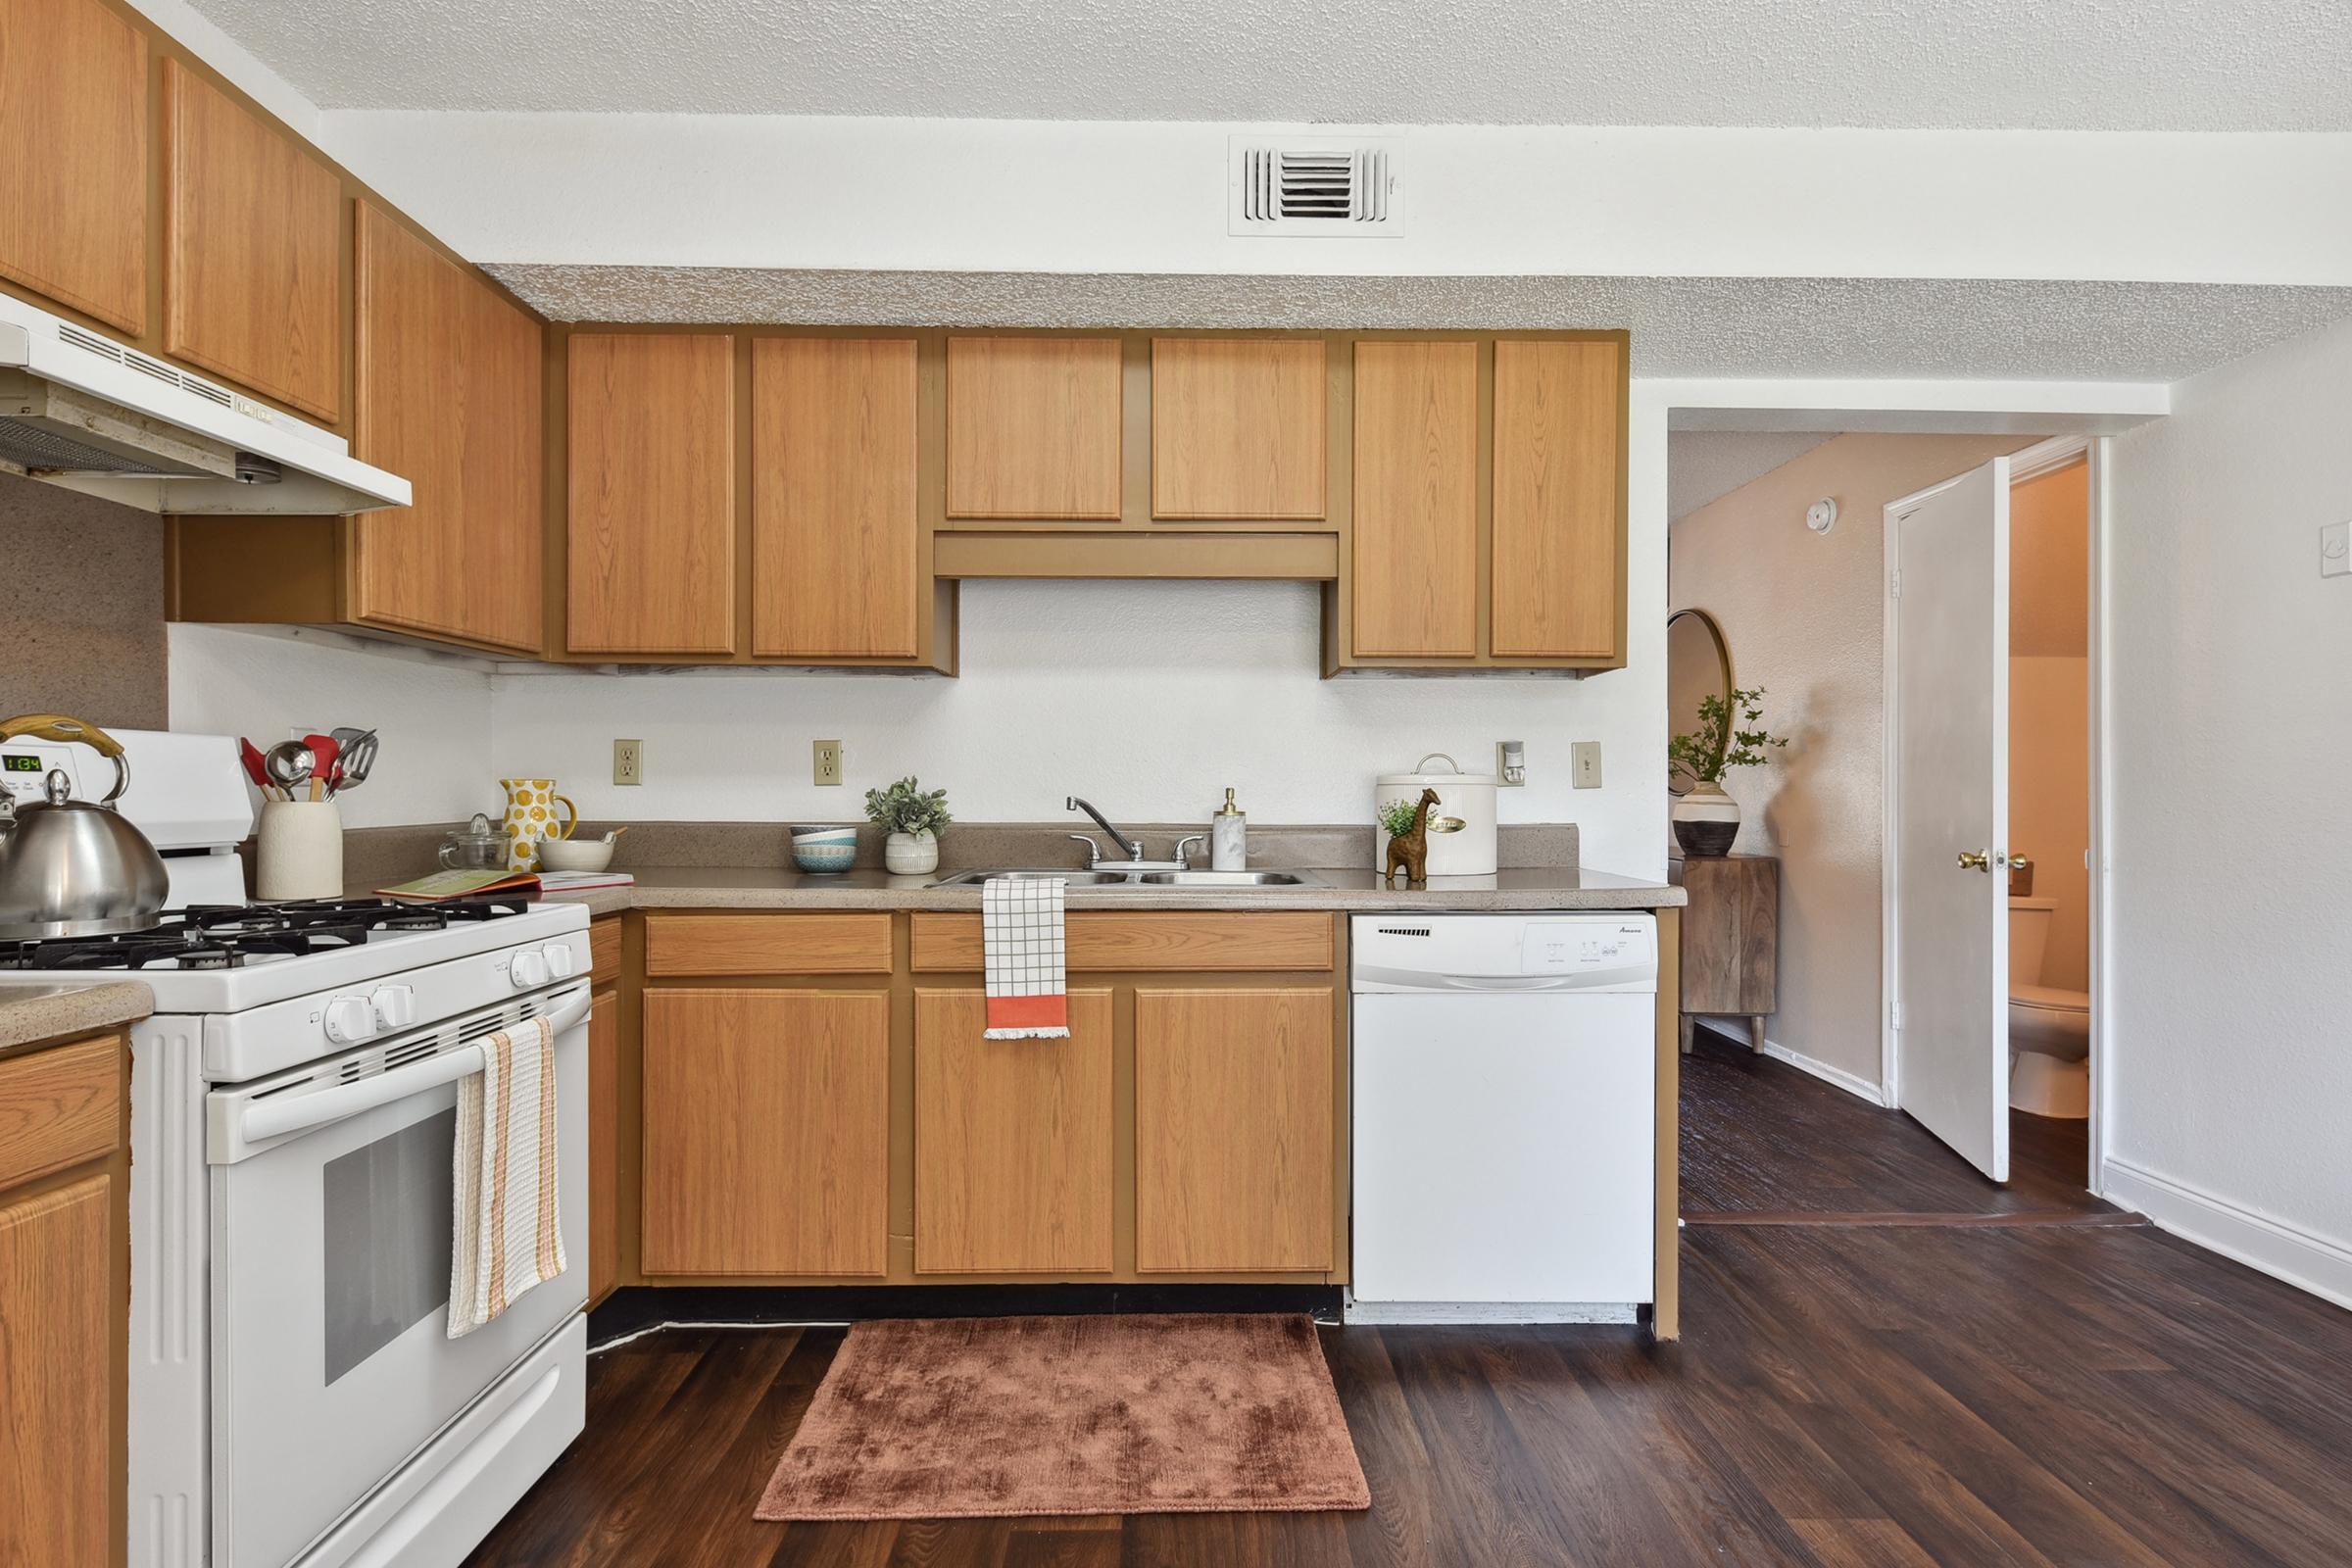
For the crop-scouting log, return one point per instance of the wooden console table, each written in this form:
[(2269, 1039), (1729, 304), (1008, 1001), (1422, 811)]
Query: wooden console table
[(1730, 942)]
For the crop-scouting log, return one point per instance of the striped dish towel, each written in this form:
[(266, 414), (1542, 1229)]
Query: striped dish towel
[(510, 1233), (1020, 938)]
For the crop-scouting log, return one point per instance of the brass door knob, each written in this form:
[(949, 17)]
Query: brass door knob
[(2018, 863), (1975, 860)]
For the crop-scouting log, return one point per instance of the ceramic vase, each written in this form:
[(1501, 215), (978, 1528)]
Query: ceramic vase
[(531, 815), (910, 853), (1706, 820), (299, 850)]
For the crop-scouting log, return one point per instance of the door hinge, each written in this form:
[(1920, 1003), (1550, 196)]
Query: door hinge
[(1894, 1014), (1895, 583)]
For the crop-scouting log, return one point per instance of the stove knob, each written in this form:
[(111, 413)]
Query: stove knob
[(350, 1019), (528, 970), (395, 1007), (558, 959)]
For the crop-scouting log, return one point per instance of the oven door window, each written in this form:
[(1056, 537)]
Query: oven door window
[(389, 1211)]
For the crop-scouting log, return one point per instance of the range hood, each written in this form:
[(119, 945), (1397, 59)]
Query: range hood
[(80, 410)]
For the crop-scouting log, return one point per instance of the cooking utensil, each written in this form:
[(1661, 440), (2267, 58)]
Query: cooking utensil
[(72, 868), (250, 756), (324, 751), (478, 845), (289, 764), (359, 757)]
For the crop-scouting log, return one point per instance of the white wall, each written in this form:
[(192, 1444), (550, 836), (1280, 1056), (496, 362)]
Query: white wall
[(780, 191), (1803, 616), (431, 713), (2230, 688), (1150, 699)]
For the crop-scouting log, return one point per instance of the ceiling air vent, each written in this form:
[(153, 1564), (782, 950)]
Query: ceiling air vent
[(1337, 187)]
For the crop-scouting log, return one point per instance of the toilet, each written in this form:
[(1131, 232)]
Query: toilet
[(2049, 1028)]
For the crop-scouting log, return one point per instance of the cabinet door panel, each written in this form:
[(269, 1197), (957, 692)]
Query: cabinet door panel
[(1233, 1130), (74, 156), (833, 475), (252, 241), (1033, 428), (766, 1132), (1414, 559), (56, 1335), (1556, 531), (651, 565), (447, 394), (1013, 1140), (1237, 429), (604, 1143)]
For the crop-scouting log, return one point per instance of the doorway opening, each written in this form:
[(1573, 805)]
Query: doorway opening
[(1792, 568)]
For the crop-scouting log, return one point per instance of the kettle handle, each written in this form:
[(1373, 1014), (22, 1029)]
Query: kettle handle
[(58, 727)]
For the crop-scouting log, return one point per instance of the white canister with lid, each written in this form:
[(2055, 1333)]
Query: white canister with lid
[(1461, 825)]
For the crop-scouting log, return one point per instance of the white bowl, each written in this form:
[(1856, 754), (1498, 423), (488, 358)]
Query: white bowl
[(574, 854)]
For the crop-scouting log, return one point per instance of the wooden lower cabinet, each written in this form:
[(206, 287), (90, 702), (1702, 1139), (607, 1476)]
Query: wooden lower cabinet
[(1013, 1140), (604, 1143), (766, 1132), (57, 1409), (1233, 1130)]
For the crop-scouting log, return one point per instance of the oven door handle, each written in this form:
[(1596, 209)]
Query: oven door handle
[(274, 1119)]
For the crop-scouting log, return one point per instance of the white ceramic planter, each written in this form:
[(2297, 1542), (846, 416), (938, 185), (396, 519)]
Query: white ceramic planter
[(299, 847), (910, 853), (1706, 820)]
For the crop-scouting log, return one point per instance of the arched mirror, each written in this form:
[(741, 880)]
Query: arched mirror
[(1698, 665)]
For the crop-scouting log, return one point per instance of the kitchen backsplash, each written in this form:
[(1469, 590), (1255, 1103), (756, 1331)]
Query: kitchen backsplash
[(81, 608)]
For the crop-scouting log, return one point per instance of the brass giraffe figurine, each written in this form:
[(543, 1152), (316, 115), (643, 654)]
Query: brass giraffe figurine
[(1410, 849)]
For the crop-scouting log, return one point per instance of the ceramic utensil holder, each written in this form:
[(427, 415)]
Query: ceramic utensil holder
[(300, 851)]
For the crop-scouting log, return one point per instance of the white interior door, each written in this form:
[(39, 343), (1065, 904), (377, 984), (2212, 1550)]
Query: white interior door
[(1947, 554)]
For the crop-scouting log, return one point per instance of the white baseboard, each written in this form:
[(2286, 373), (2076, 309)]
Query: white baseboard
[(2305, 1259), (1860, 1087)]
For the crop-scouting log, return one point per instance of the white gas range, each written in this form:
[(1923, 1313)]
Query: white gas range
[(295, 1398)]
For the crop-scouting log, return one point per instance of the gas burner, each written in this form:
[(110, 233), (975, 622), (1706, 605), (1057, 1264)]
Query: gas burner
[(229, 936)]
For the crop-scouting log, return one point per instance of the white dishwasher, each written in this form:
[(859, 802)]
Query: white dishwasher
[(1505, 1073)]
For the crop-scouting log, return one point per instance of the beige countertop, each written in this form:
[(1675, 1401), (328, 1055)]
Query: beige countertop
[(30, 1013), (769, 888)]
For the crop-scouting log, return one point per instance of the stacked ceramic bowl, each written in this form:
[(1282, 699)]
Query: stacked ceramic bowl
[(824, 848)]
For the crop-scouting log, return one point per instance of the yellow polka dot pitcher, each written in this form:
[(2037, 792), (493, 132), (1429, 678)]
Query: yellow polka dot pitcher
[(531, 815)]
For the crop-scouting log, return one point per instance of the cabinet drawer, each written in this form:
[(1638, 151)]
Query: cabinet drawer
[(604, 950), (769, 943), (1159, 940), (60, 1107)]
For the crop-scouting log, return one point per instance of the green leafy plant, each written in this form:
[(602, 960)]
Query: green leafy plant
[(1397, 817), (908, 808), (1730, 734)]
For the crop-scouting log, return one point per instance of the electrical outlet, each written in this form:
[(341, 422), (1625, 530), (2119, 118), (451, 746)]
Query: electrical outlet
[(629, 761), (2336, 549), (1584, 764), (828, 761)]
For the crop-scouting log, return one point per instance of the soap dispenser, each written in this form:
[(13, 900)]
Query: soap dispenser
[(1229, 838)]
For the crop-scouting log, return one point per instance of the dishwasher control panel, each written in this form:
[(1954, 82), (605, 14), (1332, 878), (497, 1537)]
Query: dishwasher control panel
[(1600, 952)]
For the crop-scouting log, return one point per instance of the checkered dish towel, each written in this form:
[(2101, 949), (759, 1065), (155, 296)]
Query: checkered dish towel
[(1020, 934), (510, 1235)]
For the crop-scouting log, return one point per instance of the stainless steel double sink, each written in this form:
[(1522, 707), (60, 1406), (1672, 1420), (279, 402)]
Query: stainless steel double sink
[(1137, 880)]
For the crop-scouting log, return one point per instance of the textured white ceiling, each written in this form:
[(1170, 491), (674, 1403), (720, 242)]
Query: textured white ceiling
[(2099, 65), (1703, 465), (1681, 326)]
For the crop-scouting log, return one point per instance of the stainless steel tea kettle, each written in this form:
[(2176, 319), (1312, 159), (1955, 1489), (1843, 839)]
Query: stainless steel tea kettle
[(74, 868)]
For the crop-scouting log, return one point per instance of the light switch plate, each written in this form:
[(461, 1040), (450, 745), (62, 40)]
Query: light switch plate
[(2336, 549), (629, 761), (1584, 764), (828, 761)]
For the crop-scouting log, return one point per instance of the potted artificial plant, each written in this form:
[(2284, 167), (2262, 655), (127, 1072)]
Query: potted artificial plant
[(1707, 819), (912, 816)]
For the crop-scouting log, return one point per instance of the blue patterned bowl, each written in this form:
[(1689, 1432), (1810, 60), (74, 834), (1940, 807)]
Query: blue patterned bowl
[(824, 848)]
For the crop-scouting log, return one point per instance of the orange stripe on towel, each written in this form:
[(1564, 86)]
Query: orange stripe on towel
[(1029, 1013)]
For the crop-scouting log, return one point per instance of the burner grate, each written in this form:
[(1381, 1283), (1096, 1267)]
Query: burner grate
[(229, 936)]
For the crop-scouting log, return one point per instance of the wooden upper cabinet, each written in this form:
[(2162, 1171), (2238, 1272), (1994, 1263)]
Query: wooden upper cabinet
[(252, 241), (834, 535), (1414, 552), (1238, 429), (1559, 442), (74, 156), (650, 540), (447, 394), (1033, 428)]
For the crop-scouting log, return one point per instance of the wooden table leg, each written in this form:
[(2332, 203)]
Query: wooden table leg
[(1755, 1033), (1687, 1028)]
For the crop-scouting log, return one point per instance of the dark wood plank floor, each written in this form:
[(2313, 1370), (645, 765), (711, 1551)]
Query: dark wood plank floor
[(1846, 1397)]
